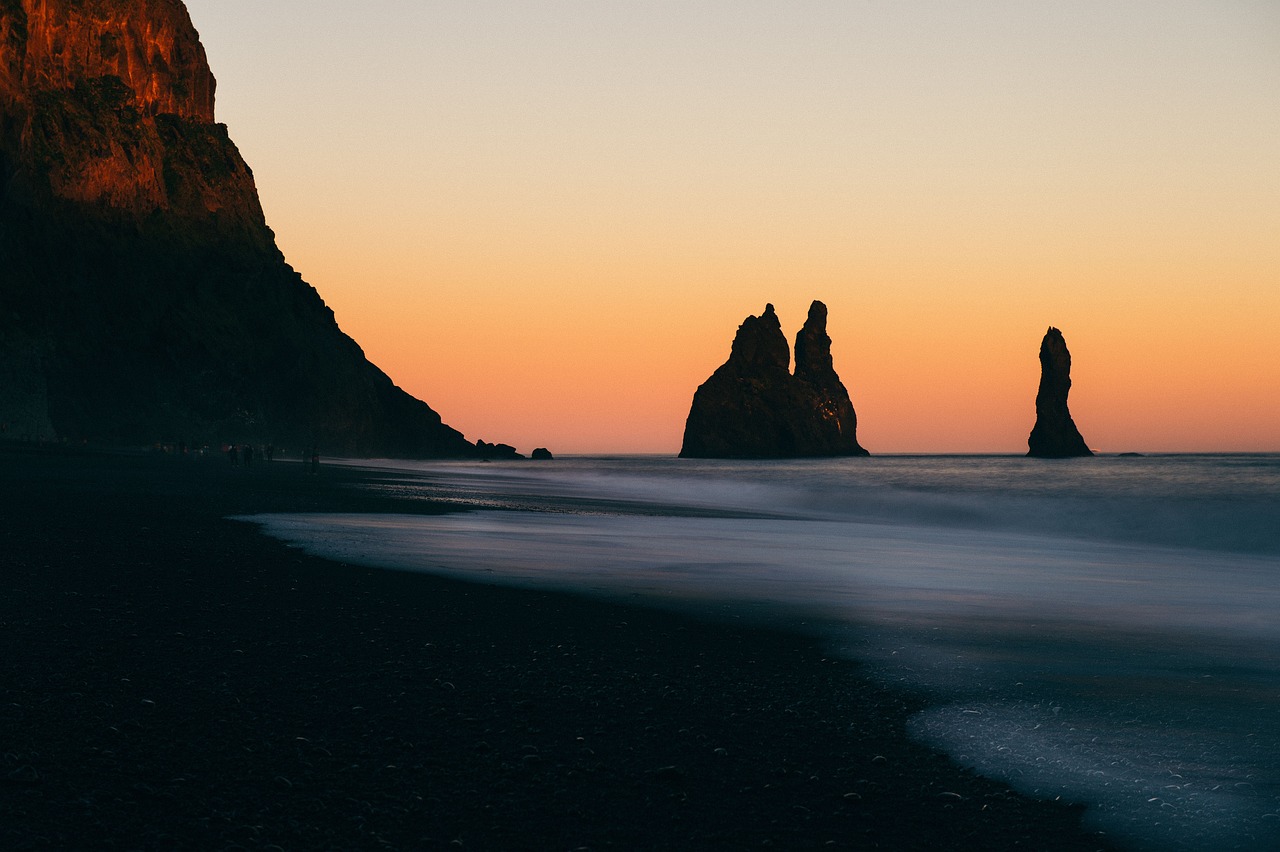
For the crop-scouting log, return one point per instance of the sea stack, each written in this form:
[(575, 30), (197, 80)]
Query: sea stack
[(142, 296), (1055, 435), (753, 407)]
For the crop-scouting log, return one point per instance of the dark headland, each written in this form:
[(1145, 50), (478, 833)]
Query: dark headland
[(754, 407), (142, 295), (174, 680)]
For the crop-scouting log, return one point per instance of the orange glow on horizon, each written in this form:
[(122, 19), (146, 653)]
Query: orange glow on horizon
[(550, 225)]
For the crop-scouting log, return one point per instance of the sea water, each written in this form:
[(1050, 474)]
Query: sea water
[(1104, 631)]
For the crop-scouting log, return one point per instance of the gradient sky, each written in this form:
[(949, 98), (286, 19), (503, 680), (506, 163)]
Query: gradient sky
[(547, 219)]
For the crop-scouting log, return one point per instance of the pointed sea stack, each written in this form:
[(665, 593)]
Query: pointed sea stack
[(1055, 435), (142, 295), (752, 407)]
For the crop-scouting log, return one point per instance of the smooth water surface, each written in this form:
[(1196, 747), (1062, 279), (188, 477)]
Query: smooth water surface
[(1103, 630)]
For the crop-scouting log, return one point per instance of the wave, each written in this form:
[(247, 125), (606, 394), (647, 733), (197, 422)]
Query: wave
[(1102, 630), (1214, 502)]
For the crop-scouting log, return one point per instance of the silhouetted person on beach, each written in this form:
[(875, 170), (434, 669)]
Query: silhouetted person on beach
[(247, 452), (234, 455), (315, 459)]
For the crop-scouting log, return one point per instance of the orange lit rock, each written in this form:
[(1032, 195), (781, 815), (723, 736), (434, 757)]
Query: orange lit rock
[(111, 103), (150, 45)]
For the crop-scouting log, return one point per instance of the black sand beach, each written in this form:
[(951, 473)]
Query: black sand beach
[(174, 680)]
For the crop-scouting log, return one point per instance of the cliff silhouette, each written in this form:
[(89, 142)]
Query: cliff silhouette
[(753, 406), (142, 295)]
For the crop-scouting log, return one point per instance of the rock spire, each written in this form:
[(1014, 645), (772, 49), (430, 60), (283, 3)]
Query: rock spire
[(752, 406), (1055, 435)]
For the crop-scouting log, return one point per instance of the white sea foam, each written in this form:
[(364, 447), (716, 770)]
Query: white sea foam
[(1094, 631)]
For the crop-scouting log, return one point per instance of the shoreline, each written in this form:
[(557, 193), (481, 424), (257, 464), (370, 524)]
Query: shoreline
[(180, 680)]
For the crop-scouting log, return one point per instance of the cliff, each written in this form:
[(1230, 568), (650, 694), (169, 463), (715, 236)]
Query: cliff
[(1055, 434), (142, 297), (752, 406)]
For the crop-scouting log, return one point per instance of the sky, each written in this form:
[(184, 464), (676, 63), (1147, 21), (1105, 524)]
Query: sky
[(547, 219)]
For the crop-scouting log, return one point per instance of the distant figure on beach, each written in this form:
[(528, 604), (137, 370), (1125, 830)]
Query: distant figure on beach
[(1055, 435), (247, 454), (315, 459), (234, 454), (271, 452)]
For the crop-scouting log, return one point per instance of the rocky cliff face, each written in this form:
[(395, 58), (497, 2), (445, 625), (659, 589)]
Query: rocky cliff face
[(110, 104), (1055, 434), (142, 296), (149, 45), (754, 407)]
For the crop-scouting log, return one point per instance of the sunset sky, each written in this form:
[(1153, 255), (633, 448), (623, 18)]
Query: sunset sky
[(547, 219)]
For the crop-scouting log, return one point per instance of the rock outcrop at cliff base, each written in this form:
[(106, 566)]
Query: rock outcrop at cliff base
[(1055, 435), (753, 406), (142, 296)]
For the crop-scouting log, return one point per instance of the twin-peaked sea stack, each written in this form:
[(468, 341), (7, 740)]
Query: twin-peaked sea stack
[(142, 295), (1055, 435), (753, 407)]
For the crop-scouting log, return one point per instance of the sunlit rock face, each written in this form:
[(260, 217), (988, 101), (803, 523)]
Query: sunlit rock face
[(143, 298), (754, 407), (149, 44), (1055, 434), (113, 105)]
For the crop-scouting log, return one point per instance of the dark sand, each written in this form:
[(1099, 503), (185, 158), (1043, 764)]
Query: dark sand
[(172, 679)]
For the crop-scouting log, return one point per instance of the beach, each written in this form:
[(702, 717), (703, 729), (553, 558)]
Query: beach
[(175, 679)]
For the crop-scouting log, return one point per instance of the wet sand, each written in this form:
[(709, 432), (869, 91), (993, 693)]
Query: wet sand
[(173, 679)]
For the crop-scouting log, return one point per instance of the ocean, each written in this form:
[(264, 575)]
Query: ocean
[(1105, 631)]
